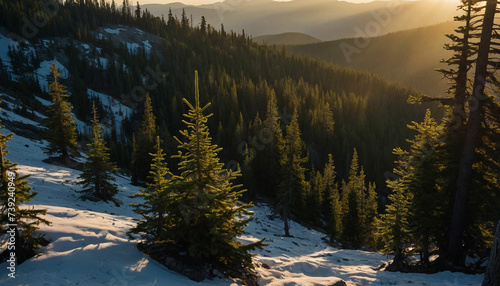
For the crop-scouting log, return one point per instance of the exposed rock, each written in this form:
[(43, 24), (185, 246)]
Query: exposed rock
[(339, 283)]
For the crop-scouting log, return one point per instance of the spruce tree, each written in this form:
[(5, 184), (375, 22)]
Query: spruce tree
[(60, 122), (293, 187), (154, 209), (144, 144), (205, 215), (17, 221), (421, 180), (96, 177), (267, 162), (393, 226), (331, 206), (352, 195)]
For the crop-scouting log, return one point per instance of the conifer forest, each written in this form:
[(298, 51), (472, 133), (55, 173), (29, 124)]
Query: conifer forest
[(142, 144)]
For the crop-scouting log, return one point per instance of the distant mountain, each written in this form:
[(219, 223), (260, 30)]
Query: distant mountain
[(286, 39), (323, 19), (409, 56)]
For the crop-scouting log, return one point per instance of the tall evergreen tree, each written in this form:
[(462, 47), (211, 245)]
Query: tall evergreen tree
[(331, 205), (154, 209), (393, 226), (205, 215), (60, 122), (455, 251), (293, 187), (352, 196), (359, 204), (96, 177), (17, 221), (144, 144), (267, 163)]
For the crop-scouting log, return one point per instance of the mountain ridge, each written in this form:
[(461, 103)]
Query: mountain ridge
[(290, 38), (325, 20)]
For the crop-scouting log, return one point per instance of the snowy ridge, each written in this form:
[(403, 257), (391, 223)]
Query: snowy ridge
[(114, 107), (43, 73), (89, 245)]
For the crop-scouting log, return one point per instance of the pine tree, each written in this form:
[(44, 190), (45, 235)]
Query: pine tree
[(370, 212), (144, 144), (17, 221), (352, 196), (455, 251), (331, 207), (206, 216), (61, 124), (293, 187), (267, 162), (96, 177), (154, 209), (421, 181), (393, 226)]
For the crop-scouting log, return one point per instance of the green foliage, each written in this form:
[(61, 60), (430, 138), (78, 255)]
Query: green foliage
[(293, 189), (331, 204), (156, 203), (60, 122), (21, 220), (394, 226), (359, 205), (241, 77), (96, 177), (204, 214), (144, 144), (267, 162)]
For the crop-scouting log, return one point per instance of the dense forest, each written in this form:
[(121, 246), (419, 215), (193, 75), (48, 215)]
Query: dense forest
[(363, 111), (319, 140)]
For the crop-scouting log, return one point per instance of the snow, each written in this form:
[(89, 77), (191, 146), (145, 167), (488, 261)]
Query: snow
[(44, 102), (89, 245), (12, 116), (147, 47), (9, 115), (43, 73), (85, 46), (113, 106), (102, 61), (113, 31), (4, 49), (82, 127), (5, 43), (132, 47)]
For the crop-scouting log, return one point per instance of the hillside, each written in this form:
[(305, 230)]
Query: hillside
[(409, 57), (143, 138), (89, 245), (237, 77), (286, 39), (322, 19)]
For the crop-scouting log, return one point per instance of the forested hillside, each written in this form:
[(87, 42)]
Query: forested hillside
[(409, 57), (363, 111), (197, 115)]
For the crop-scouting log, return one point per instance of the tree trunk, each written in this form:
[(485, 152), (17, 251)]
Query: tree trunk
[(492, 275), (287, 227), (455, 251)]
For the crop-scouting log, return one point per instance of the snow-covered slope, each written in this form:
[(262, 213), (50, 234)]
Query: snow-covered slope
[(89, 245)]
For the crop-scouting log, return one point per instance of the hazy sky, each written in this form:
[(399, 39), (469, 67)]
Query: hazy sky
[(199, 2)]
